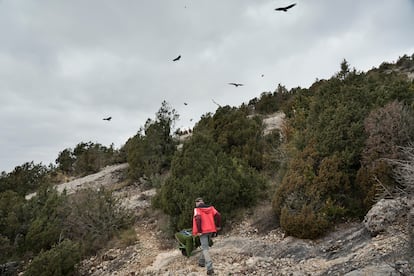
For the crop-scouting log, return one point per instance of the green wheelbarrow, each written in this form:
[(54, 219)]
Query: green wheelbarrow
[(187, 243)]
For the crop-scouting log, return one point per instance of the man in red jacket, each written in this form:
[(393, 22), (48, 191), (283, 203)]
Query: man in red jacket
[(206, 222)]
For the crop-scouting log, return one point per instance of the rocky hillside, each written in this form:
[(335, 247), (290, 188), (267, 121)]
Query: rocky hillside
[(255, 245)]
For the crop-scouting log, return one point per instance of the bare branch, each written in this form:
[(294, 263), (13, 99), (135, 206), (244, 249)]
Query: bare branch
[(383, 188)]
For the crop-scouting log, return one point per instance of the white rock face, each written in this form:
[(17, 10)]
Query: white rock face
[(105, 177), (274, 121)]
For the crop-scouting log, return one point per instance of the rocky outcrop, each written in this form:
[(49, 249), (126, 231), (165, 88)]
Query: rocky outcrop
[(272, 122), (244, 250), (386, 213), (107, 176)]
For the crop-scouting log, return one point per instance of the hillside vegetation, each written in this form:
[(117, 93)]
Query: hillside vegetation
[(328, 164)]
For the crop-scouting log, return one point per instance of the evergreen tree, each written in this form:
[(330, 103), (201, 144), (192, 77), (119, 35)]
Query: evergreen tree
[(150, 151)]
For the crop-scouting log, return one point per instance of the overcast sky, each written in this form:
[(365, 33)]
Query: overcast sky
[(66, 65)]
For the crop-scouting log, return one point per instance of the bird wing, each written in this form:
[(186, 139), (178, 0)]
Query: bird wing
[(235, 84), (290, 6), (286, 8)]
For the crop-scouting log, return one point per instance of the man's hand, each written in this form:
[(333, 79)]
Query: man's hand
[(216, 233)]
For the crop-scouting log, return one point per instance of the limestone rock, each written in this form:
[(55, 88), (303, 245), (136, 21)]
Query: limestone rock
[(385, 213)]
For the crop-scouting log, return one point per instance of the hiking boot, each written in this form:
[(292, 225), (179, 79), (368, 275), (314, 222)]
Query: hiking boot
[(201, 263), (210, 272)]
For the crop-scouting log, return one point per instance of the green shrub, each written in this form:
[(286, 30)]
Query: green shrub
[(237, 134), (94, 218), (304, 223), (388, 128), (6, 249), (88, 158), (11, 211), (202, 169), (332, 134), (60, 260), (127, 237), (46, 214), (24, 179)]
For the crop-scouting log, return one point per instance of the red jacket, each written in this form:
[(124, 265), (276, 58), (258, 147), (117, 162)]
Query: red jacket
[(205, 220)]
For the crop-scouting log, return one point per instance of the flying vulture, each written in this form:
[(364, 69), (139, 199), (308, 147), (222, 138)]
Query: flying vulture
[(236, 84), (177, 58), (107, 119), (285, 9)]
